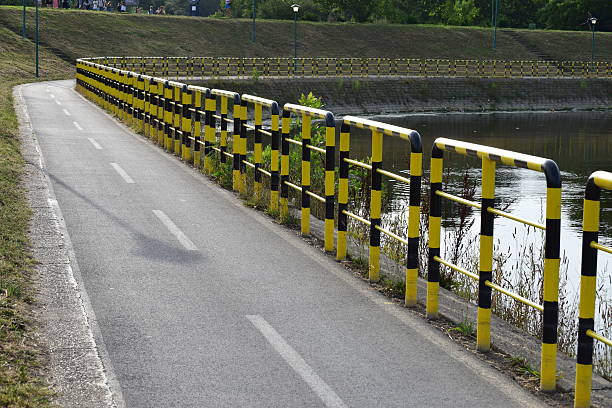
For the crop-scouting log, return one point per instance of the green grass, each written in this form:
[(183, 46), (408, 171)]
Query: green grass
[(21, 363), (466, 327), (521, 366), (75, 33)]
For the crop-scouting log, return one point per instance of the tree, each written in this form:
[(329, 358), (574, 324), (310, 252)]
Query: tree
[(360, 10), (572, 14)]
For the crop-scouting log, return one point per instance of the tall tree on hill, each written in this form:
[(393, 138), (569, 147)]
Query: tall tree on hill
[(360, 10), (572, 14)]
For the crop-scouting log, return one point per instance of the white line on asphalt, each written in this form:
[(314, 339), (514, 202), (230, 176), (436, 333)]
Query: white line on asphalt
[(186, 242), (323, 391), (58, 102), (51, 95), (94, 143), (66, 112), (122, 173), (76, 125)]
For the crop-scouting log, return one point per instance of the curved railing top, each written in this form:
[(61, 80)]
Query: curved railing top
[(389, 130), (330, 121), (507, 157)]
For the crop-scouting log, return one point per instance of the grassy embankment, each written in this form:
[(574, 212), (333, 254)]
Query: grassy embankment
[(75, 33), (21, 369)]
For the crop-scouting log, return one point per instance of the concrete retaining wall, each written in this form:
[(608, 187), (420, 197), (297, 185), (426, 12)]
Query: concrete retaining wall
[(388, 95)]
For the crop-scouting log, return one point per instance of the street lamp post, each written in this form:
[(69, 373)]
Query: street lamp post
[(36, 37), (23, 19), (494, 14), (593, 21), (295, 8), (254, 31)]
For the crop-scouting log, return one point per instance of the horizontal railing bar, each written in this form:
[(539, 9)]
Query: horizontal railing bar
[(267, 173), (250, 127), (599, 337), (358, 163), (265, 132), (604, 248), (227, 154), (458, 199), (305, 110), (217, 117), (392, 235), (257, 100), (293, 186), (315, 148), (315, 196), (356, 217), (296, 142), (216, 149), (512, 217), (456, 268), (251, 165), (515, 296), (393, 176)]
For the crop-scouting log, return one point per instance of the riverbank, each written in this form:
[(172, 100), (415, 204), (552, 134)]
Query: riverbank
[(407, 95)]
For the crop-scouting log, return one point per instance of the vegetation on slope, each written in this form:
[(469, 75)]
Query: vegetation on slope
[(22, 381), (75, 33)]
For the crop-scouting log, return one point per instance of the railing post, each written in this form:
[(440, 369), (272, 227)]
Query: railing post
[(210, 129), (552, 262), (223, 141), (274, 159), (243, 146), (133, 99), (343, 190), (284, 172), (435, 218), (147, 107), (414, 221), (257, 149), (306, 128), (330, 180), (588, 288), (375, 206), (169, 94), (186, 124), (483, 320), (177, 119), (197, 128), (236, 146)]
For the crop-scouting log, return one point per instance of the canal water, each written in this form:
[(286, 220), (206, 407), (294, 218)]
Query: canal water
[(579, 142)]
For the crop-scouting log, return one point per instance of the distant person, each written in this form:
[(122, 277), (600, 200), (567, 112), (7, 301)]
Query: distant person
[(228, 8), (151, 10), (122, 7), (109, 6)]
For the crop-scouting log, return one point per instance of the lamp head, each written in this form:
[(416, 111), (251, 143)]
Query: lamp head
[(593, 20), (295, 7)]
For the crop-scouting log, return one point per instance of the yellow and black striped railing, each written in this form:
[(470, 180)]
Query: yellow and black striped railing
[(490, 157), (378, 129), (199, 124), (600, 180), (186, 68)]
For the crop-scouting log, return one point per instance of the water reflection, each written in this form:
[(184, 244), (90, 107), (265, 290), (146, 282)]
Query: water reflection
[(580, 143)]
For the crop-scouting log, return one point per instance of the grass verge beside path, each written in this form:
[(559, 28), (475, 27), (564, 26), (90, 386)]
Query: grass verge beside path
[(22, 362)]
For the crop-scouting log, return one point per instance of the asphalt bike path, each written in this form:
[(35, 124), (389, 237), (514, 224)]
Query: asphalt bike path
[(202, 302)]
